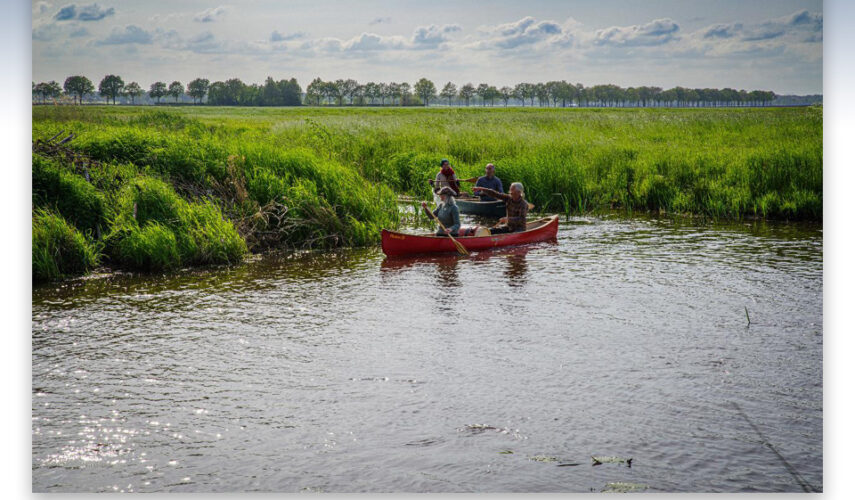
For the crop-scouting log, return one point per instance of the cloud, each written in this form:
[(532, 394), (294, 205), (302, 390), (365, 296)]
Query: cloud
[(798, 35), (40, 7), (210, 15), (86, 13), (656, 32), (526, 32), (125, 35), (46, 32), (81, 31), (423, 37), (766, 34), (804, 18), (722, 30), (372, 42), (66, 13), (279, 37), (433, 35), (380, 20), (797, 22), (94, 13), (204, 42)]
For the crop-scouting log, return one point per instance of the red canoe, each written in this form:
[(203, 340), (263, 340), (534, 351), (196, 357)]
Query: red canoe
[(395, 243)]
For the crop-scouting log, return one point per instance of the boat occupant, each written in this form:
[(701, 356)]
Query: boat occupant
[(446, 178), (446, 211), (490, 181), (516, 206)]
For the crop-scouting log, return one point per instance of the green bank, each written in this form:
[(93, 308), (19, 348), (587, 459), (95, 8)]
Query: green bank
[(183, 186)]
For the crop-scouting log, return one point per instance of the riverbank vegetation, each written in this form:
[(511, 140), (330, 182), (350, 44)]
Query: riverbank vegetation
[(187, 186)]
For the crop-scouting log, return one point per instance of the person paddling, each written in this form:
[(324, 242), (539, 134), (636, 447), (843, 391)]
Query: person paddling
[(516, 208), (446, 211), (446, 178), (490, 181)]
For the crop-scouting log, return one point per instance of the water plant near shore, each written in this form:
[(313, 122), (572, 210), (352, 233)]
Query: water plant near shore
[(59, 249), (155, 229)]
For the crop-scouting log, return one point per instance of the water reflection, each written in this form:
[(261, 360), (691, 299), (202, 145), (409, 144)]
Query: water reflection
[(446, 266), (517, 269)]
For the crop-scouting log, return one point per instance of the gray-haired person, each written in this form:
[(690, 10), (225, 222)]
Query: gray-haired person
[(517, 208), (446, 211)]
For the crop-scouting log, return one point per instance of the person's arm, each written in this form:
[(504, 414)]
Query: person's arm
[(501, 190), (454, 184), (494, 194), (427, 210)]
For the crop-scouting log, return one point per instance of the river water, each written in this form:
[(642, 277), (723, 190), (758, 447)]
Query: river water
[(504, 371)]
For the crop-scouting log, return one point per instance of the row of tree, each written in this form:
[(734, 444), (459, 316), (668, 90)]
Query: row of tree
[(234, 92), (229, 93), (553, 93)]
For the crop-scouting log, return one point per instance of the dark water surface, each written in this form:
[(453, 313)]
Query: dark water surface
[(497, 372)]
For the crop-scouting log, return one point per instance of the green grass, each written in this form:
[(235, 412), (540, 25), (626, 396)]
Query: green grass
[(60, 250), (155, 229), (68, 194), (312, 177)]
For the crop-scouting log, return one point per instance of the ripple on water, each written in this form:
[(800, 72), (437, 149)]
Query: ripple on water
[(345, 371)]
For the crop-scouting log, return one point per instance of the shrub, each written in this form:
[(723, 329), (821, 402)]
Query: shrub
[(168, 231), (59, 249), (68, 194)]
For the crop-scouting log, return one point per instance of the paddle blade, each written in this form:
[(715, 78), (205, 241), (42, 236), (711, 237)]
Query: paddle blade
[(460, 248)]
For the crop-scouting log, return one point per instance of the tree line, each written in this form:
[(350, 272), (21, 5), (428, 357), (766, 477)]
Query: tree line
[(349, 92), (232, 92)]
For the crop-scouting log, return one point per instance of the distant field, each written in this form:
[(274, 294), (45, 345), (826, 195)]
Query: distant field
[(339, 169)]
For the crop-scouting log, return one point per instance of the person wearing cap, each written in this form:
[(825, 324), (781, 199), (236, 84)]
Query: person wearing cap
[(446, 178), (446, 211), (489, 181), (516, 208)]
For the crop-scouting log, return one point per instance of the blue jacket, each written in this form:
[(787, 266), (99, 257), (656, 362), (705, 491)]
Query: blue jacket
[(495, 184)]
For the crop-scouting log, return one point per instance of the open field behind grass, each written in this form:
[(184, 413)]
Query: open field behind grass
[(301, 177)]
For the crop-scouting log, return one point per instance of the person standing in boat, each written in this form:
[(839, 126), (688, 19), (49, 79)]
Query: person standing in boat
[(446, 211), (446, 178), (516, 206), (489, 181)]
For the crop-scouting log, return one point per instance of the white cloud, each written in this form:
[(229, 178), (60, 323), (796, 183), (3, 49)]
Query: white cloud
[(279, 37), (722, 30), (423, 37), (210, 15), (86, 13), (47, 32), (794, 34), (126, 35), (94, 13), (656, 32), (40, 7), (527, 33), (433, 35)]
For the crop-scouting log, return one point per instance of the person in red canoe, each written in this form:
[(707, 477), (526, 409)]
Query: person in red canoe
[(446, 211), (446, 178), (517, 208)]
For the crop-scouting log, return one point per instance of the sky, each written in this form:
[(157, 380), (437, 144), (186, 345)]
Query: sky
[(767, 45)]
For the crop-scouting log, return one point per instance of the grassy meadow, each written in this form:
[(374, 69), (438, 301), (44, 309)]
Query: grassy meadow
[(181, 186)]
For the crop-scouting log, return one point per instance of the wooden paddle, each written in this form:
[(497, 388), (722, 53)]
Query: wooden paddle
[(460, 248), (471, 179)]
